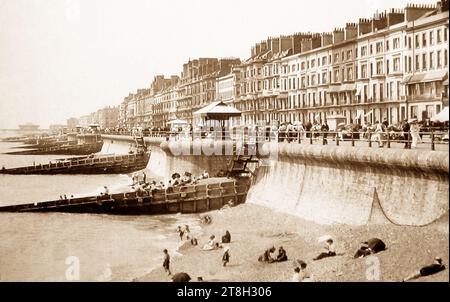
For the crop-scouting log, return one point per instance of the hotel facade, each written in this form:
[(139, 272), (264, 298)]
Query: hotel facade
[(393, 66)]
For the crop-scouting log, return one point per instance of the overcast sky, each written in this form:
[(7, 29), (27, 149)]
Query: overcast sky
[(64, 58)]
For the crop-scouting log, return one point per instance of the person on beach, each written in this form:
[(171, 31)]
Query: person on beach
[(144, 177), (180, 232), (187, 231), (106, 191), (267, 257), (371, 246), (282, 256), (330, 250), (431, 269), (226, 256), (194, 241), (166, 262), (181, 277), (301, 274), (226, 238), (211, 244)]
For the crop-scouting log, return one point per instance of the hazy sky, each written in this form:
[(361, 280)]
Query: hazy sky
[(64, 58)]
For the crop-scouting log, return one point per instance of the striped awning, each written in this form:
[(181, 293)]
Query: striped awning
[(348, 87), (332, 89), (423, 77)]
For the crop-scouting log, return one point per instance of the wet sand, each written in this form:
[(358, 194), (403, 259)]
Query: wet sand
[(255, 228)]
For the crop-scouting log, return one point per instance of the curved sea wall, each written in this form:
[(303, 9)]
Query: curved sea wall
[(176, 156), (326, 184), (349, 185)]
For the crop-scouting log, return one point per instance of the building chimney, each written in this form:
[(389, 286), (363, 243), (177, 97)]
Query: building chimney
[(327, 39), (305, 45), (338, 35), (351, 31), (415, 11), (297, 40), (274, 44), (395, 16), (364, 26), (316, 41), (379, 21), (285, 43)]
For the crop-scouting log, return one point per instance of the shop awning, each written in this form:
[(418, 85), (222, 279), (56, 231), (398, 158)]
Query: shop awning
[(423, 77), (348, 87), (332, 89), (441, 116), (282, 95)]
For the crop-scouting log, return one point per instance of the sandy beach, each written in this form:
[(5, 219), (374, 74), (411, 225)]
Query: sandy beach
[(255, 228)]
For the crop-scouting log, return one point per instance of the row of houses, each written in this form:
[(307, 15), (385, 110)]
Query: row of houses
[(106, 117), (391, 66)]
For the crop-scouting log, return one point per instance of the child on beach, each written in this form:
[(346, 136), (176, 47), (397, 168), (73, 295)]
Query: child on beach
[(187, 231), (226, 256), (330, 250), (166, 262), (180, 232), (300, 273)]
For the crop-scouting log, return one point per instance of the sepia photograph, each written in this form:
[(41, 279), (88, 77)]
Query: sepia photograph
[(224, 141)]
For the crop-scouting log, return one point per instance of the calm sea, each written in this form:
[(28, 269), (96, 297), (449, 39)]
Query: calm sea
[(48, 246)]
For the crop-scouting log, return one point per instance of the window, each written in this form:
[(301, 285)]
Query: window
[(313, 80), (409, 42), (313, 63), (445, 34), (336, 75), (364, 51), (438, 57), (356, 52), (324, 60), (350, 73), (364, 71), (431, 60), (387, 66), (336, 57), (424, 61), (324, 78), (417, 41), (349, 54), (424, 39), (387, 45), (379, 67), (371, 69), (431, 37), (342, 56), (417, 63), (303, 65), (371, 49), (396, 43), (445, 58), (438, 36), (379, 47), (396, 64)]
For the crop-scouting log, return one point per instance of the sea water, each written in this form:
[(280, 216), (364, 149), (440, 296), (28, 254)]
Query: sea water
[(49, 246)]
